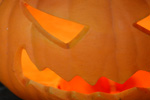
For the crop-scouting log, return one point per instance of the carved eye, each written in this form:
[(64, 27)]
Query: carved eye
[(144, 25), (63, 32)]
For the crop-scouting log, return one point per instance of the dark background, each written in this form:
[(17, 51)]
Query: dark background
[(5, 94)]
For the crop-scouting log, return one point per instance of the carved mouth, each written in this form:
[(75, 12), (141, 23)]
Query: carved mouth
[(139, 79), (47, 77)]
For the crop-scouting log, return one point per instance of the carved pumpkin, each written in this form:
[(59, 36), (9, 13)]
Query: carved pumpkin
[(75, 49)]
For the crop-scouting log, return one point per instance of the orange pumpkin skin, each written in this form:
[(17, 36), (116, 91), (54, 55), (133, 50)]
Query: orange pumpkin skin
[(116, 48)]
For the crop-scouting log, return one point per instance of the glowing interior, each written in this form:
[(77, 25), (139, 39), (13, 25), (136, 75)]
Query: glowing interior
[(61, 29), (46, 77), (49, 78), (66, 31), (144, 24)]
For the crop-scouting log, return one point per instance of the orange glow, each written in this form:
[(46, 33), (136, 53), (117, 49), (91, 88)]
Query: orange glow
[(45, 77), (144, 25), (59, 29), (81, 86), (66, 31), (139, 79), (49, 78)]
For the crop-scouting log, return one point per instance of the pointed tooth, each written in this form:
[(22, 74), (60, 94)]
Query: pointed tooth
[(67, 78), (91, 80), (122, 77), (40, 68), (119, 75)]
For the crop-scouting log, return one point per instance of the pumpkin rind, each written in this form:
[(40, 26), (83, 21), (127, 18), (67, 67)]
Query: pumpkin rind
[(120, 48), (119, 44)]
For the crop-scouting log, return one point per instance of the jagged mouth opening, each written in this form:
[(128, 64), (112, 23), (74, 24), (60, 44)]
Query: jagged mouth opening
[(48, 78)]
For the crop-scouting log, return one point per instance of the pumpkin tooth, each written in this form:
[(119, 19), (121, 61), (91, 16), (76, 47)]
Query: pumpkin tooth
[(124, 76), (121, 78), (41, 68), (89, 78), (91, 82)]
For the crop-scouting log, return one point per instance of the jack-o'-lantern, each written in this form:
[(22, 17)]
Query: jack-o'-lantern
[(75, 49)]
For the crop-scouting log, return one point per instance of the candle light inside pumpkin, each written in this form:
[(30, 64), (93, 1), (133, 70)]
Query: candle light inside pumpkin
[(49, 78), (66, 31)]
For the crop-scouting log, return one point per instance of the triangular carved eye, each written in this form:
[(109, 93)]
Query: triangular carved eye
[(144, 25), (63, 32)]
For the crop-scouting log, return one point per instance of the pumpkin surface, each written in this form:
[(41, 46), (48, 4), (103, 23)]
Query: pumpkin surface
[(106, 47)]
